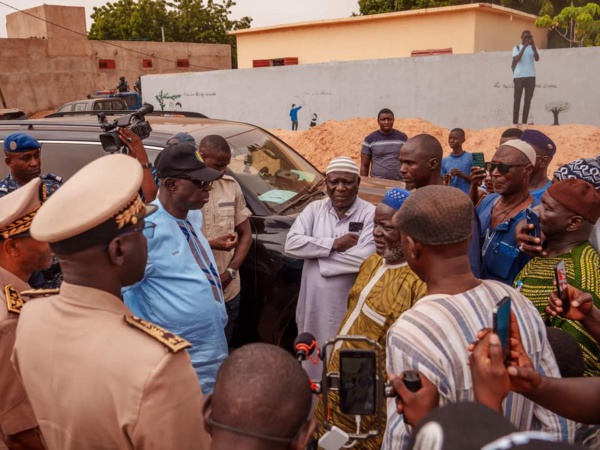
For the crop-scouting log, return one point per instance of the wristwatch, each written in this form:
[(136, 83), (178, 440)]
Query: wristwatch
[(148, 165), (232, 273)]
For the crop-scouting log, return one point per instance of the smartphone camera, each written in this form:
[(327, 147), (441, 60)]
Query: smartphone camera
[(358, 382)]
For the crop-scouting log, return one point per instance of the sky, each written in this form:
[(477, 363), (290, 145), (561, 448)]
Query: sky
[(263, 12)]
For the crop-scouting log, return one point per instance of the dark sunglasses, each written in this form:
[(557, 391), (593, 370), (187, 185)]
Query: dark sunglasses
[(204, 185), (503, 168)]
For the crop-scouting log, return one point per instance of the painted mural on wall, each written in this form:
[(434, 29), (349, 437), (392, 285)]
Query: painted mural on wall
[(467, 91)]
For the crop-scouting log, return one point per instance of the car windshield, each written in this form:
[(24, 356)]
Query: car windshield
[(270, 169)]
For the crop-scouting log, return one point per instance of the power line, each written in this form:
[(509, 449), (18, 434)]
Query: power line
[(100, 40)]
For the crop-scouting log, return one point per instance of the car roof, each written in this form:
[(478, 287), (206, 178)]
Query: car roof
[(87, 127)]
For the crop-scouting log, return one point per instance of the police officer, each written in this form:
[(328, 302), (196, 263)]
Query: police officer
[(20, 255), (23, 156), (24, 159), (98, 377), (123, 85)]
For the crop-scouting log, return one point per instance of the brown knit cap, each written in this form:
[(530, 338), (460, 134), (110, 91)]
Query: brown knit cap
[(577, 196), (436, 215)]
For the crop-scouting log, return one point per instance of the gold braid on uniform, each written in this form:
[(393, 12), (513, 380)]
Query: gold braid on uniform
[(128, 215), (20, 225)]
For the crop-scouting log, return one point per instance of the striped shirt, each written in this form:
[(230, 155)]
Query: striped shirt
[(432, 337), (384, 150)]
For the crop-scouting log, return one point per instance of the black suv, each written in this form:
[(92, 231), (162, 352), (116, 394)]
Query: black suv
[(276, 181)]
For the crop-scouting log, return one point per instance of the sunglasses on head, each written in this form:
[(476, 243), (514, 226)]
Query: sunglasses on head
[(503, 168)]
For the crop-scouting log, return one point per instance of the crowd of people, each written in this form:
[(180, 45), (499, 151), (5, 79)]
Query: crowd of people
[(131, 350)]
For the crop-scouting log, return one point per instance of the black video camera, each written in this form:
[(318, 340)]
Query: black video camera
[(111, 143)]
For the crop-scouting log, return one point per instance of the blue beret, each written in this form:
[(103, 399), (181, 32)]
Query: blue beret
[(540, 140), (20, 142), (395, 197), (184, 138)]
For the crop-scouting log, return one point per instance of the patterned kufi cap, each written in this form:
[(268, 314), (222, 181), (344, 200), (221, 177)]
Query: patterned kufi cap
[(586, 169), (342, 164), (395, 197), (93, 206)]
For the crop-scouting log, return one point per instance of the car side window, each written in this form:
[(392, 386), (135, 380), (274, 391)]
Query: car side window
[(67, 108), (79, 107)]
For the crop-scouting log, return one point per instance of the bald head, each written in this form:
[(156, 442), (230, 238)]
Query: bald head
[(420, 161), (261, 388)]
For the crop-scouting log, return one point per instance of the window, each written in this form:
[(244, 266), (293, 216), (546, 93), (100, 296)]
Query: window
[(182, 63), (106, 64), (437, 51), (80, 107), (147, 63)]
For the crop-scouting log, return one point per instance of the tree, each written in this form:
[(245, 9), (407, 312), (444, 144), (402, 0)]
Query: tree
[(556, 108), (539, 7), (577, 24), (182, 20)]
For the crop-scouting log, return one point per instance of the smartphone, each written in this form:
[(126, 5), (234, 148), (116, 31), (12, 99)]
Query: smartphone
[(501, 326), (560, 273), (479, 160), (357, 382), (355, 227), (533, 218)]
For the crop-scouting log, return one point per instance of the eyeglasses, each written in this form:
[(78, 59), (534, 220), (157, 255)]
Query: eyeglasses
[(503, 168), (147, 228), (204, 185)]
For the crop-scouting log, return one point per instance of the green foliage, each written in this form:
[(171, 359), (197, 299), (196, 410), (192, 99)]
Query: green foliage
[(162, 96), (585, 20), (183, 21), (538, 7)]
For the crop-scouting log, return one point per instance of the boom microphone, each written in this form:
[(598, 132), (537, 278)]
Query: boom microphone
[(304, 346)]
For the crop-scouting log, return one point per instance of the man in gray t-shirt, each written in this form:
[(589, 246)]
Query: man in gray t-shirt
[(380, 149)]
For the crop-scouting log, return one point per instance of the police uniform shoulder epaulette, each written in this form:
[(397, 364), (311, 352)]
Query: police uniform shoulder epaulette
[(51, 176), (173, 342), (14, 301), (35, 293)]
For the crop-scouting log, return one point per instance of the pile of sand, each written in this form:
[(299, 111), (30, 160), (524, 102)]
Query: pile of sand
[(338, 138)]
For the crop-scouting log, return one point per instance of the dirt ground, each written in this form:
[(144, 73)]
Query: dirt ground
[(343, 138)]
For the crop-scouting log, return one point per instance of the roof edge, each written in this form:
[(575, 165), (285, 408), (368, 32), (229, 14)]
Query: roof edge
[(488, 7)]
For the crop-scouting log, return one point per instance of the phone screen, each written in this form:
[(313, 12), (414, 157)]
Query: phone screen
[(561, 286), (357, 382), (501, 326), (533, 218), (355, 227), (479, 160)]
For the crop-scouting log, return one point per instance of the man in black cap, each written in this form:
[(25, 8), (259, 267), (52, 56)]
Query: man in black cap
[(181, 289), (123, 85)]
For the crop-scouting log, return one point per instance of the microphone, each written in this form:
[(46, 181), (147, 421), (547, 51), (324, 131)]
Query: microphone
[(304, 346)]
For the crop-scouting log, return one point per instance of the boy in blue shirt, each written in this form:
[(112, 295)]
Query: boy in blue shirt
[(456, 168)]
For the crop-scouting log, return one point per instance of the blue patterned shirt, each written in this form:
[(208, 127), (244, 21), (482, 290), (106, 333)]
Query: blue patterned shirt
[(181, 291)]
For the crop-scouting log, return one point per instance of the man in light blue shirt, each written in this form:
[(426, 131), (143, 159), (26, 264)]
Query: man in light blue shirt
[(523, 65), (181, 290)]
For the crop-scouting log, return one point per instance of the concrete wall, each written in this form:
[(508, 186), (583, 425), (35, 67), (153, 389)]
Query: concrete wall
[(58, 66), (465, 29), (471, 91)]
